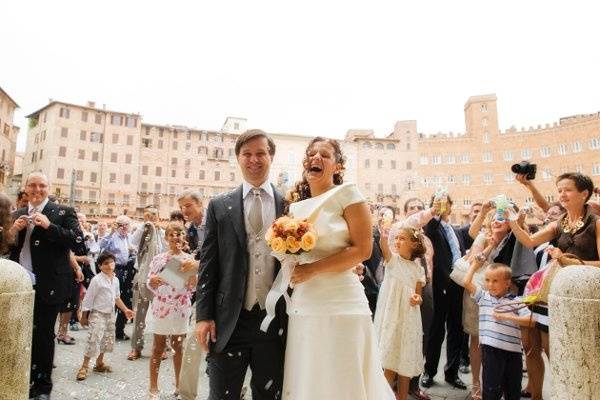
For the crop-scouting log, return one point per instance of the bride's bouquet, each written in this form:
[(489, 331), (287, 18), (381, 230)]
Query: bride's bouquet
[(288, 235), (291, 240)]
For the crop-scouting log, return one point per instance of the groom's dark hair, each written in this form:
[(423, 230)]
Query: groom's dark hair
[(252, 134)]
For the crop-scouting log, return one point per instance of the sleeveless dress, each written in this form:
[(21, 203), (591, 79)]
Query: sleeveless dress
[(581, 243), (397, 323), (331, 350)]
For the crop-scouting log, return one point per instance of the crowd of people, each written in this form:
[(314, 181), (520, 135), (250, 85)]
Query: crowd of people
[(370, 308)]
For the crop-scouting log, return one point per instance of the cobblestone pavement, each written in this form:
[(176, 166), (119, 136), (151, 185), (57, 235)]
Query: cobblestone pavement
[(130, 378)]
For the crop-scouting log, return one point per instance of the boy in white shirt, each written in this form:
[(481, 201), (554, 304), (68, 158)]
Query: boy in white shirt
[(98, 309)]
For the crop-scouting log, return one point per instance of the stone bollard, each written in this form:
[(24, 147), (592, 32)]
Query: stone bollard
[(574, 311), (16, 319)]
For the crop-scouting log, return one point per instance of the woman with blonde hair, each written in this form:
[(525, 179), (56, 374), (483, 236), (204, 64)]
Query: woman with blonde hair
[(493, 239)]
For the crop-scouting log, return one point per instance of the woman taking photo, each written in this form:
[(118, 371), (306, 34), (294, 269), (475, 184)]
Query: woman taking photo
[(576, 232), (494, 240)]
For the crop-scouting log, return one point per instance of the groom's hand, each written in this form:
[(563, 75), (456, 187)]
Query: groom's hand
[(359, 270), (203, 330)]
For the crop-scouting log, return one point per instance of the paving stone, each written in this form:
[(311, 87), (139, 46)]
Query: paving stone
[(130, 378)]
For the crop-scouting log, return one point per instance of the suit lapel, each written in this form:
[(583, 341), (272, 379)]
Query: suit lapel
[(234, 204), (49, 211), (278, 202), (279, 205), (21, 236)]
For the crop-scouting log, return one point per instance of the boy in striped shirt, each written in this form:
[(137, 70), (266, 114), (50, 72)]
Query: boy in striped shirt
[(499, 333)]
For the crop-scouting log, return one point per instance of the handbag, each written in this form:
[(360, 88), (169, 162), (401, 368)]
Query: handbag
[(459, 272), (548, 276), (538, 286)]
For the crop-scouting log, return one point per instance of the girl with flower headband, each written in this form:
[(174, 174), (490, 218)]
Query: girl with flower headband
[(398, 319)]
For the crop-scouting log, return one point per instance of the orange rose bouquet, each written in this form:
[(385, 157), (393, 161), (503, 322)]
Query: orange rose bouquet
[(288, 235), (290, 239)]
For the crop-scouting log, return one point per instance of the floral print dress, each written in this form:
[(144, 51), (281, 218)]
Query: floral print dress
[(171, 307)]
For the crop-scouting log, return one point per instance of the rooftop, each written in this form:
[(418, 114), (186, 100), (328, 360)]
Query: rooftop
[(10, 98), (90, 106)]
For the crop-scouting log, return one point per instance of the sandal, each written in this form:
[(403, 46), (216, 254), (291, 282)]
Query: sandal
[(476, 393), (154, 395), (64, 339), (134, 355), (102, 368), (82, 373)]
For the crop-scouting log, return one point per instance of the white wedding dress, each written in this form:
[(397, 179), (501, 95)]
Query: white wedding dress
[(331, 350)]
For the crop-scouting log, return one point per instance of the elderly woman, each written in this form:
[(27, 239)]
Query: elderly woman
[(576, 232)]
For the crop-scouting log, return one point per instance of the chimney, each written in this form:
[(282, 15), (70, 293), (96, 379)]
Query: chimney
[(91, 104)]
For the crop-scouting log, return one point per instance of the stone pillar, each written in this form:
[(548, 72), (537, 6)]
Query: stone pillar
[(16, 319), (574, 303)]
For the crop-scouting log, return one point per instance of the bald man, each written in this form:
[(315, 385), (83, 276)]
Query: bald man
[(46, 234)]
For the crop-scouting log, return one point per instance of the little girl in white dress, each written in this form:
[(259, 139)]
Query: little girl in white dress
[(398, 317)]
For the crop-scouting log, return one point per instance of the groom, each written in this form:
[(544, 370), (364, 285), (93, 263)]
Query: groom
[(237, 273)]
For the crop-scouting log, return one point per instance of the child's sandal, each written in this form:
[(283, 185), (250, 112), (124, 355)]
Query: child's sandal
[(82, 373), (102, 368)]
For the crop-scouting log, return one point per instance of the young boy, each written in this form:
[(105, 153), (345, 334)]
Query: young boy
[(99, 302), (499, 333)]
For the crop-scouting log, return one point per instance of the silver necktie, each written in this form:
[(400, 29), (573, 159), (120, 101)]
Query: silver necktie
[(255, 213)]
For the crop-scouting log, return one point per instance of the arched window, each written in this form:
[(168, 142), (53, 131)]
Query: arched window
[(379, 146), (390, 146), (367, 145)]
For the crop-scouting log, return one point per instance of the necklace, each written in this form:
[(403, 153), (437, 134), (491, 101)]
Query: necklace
[(571, 227)]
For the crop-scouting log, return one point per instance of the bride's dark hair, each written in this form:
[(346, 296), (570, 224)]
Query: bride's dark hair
[(301, 190)]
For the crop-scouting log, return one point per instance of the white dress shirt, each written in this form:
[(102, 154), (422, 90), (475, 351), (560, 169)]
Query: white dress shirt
[(268, 203), (101, 294)]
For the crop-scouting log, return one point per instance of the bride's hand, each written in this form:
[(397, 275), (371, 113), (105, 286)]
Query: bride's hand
[(359, 270), (302, 273)]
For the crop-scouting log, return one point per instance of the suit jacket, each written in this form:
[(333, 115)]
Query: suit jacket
[(371, 265), (442, 255), (463, 237), (50, 250), (224, 262)]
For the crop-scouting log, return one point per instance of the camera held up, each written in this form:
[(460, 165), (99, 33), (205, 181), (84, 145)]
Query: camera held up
[(525, 168)]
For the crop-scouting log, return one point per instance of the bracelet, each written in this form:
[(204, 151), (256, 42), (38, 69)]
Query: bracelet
[(480, 257)]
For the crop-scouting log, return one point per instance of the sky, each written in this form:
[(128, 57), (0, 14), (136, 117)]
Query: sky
[(305, 67)]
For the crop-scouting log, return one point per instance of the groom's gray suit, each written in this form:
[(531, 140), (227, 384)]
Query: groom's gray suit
[(220, 297)]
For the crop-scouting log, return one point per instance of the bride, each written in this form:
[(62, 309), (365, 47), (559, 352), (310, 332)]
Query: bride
[(331, 350)]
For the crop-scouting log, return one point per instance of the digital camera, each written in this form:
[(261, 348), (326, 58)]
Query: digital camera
[(525, 168)]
